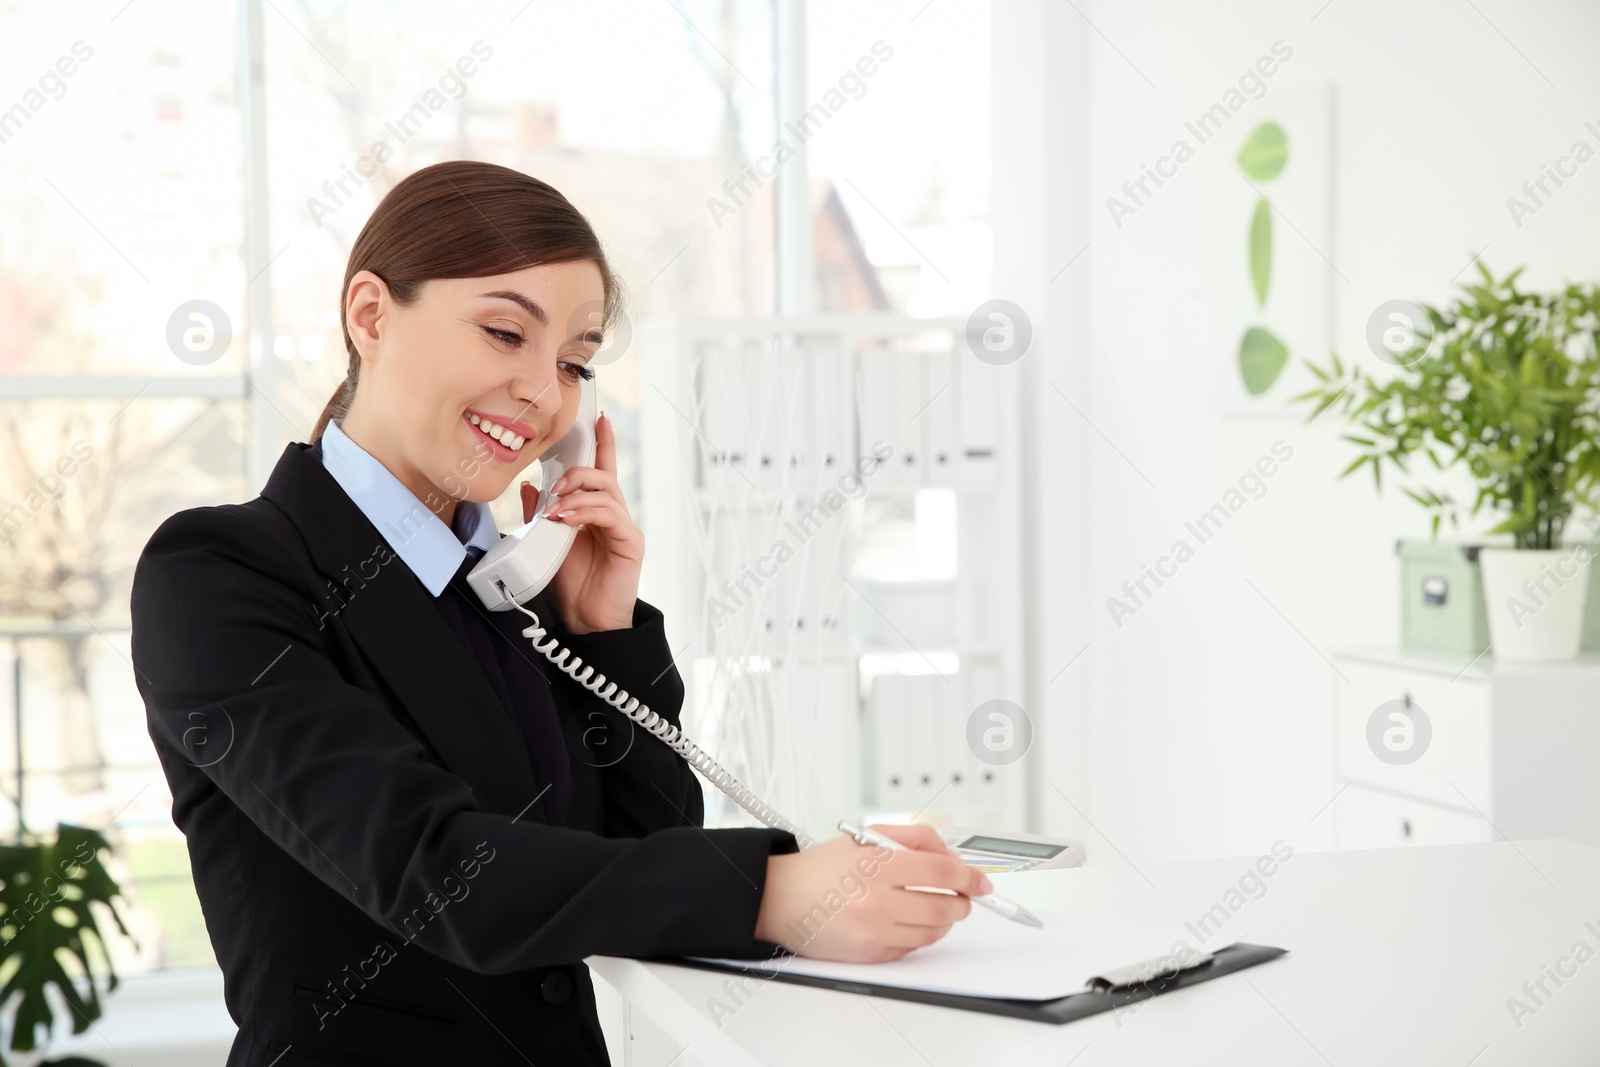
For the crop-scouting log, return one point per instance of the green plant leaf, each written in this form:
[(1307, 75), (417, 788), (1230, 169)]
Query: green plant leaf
[(1264, 153), (1261, 250), (1506, 392), (45, 893), (1261, 359)]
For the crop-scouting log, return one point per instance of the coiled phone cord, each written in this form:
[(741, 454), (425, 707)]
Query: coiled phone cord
[(659, 727)]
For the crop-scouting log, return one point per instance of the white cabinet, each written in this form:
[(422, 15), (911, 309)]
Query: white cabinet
[(1436, 750), (1443, 717), (1363, 818)]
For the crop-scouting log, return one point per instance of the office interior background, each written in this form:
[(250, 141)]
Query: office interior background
[(1072, 263)]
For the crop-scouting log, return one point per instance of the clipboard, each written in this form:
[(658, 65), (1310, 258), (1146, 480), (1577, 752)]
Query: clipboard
[(1067, 1009)]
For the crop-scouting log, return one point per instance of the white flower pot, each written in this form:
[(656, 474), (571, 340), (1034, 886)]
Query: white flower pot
[(1535, 600)]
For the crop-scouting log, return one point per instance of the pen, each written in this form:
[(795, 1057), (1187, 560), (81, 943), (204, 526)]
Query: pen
[(993, 901)]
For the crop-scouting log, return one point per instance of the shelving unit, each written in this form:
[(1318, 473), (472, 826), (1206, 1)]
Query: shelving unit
[(830, 690)]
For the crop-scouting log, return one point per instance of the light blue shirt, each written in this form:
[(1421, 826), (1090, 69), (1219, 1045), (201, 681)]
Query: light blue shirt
[(420, 538)]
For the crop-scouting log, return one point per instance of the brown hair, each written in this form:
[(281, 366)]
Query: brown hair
[(463, 219)]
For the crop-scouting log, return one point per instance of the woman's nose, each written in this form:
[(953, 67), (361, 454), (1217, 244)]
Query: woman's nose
[(537, 391)]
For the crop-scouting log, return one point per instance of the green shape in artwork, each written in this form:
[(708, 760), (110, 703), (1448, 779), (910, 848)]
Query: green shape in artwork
[(1261, 250), (1265, 152), (1262, 358)]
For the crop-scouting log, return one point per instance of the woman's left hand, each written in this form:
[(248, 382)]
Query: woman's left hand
[(597, 584)]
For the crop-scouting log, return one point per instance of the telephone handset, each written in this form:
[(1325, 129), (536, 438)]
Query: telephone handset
[(525, 561)]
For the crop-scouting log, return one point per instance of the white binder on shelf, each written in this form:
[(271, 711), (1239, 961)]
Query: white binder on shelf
[(978, 422), (875, 409), (938, 419), (910, 397)]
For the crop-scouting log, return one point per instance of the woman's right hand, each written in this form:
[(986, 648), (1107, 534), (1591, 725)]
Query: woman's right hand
[(842, 901)]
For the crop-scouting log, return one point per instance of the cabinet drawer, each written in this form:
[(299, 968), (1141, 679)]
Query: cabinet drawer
[(1444, 718), (1364, 819)]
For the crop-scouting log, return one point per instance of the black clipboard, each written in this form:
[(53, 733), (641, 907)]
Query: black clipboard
[(1066, 1009)]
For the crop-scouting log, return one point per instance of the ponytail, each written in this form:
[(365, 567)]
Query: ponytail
[(339, 403)]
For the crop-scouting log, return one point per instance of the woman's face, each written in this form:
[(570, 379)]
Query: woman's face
[(504, 349)]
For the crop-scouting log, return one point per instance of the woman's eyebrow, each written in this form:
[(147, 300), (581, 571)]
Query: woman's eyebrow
[(521, 301)]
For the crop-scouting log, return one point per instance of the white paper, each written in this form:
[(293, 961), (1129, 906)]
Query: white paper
[(985, 955)]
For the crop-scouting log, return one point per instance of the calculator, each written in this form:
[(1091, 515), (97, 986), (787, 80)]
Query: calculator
[(1005, 853)]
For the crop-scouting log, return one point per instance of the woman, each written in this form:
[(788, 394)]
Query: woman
[(407, 829)]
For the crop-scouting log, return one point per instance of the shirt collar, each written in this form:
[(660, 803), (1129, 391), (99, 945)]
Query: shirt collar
[(420, 538)]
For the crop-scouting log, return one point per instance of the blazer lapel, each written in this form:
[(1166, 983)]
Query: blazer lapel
[(388, 612)]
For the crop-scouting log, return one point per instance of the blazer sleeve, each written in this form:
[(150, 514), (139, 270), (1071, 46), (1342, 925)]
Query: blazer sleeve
[(649, 787), (223, 635)]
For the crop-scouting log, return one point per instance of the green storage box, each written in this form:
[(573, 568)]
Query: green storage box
[(1441, 598)]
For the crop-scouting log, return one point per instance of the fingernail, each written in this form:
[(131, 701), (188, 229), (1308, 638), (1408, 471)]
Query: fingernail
[(560, 484), (988, 886)]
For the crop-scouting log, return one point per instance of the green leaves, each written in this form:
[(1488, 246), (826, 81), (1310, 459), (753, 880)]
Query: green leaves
[(1263, 156), (1261, 250), (1261, 359), (46, 923), (1510, 392), (1261, 355)]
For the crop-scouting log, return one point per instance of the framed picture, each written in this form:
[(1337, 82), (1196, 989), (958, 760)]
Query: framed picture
[(1271, 273)]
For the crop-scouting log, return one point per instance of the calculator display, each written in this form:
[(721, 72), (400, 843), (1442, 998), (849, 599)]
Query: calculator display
[(1006, 847)]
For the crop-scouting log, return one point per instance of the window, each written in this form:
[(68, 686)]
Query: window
[(905, 149), (127, 289), (169, 315)]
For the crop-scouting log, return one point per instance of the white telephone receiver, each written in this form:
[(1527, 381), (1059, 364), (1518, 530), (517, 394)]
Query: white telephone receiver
[(525, 561)]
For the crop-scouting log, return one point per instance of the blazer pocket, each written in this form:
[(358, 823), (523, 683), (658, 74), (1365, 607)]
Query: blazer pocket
[(378, 1007), (298, 1052)]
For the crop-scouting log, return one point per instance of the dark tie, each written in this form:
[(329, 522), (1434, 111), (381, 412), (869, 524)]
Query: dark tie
[(515, 671)]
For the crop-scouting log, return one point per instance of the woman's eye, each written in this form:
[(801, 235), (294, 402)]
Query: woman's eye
[(504, 336), (576, 371)]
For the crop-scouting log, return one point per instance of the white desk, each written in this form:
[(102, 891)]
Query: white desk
[(1396, 956)]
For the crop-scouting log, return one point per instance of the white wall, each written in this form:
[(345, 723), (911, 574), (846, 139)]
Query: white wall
[(1201, 726)]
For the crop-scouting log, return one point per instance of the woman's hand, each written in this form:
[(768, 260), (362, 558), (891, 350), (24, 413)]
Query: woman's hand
[(879, 918), (597, 584)]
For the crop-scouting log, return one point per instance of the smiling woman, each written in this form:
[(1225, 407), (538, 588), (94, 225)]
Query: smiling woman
[(394, 728), (467, 372), (377, 741), (451, 320)]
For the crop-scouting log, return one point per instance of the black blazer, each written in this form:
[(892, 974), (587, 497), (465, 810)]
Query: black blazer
[(350, 790)]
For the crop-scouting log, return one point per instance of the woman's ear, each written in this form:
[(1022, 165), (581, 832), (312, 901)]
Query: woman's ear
[(365, 304)]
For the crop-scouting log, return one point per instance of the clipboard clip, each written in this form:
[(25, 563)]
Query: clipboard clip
[(1161, 968)]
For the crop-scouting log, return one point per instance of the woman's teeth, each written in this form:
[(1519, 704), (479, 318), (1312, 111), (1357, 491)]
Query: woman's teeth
[(499, 433)]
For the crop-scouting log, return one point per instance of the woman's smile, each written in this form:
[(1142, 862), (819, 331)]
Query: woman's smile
[(504, 437)]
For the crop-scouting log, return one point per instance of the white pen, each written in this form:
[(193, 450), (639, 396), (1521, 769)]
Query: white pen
[(993, 901)]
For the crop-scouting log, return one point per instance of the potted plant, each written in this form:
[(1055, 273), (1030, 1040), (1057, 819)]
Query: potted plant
[(46, 926), (1505, 384)]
